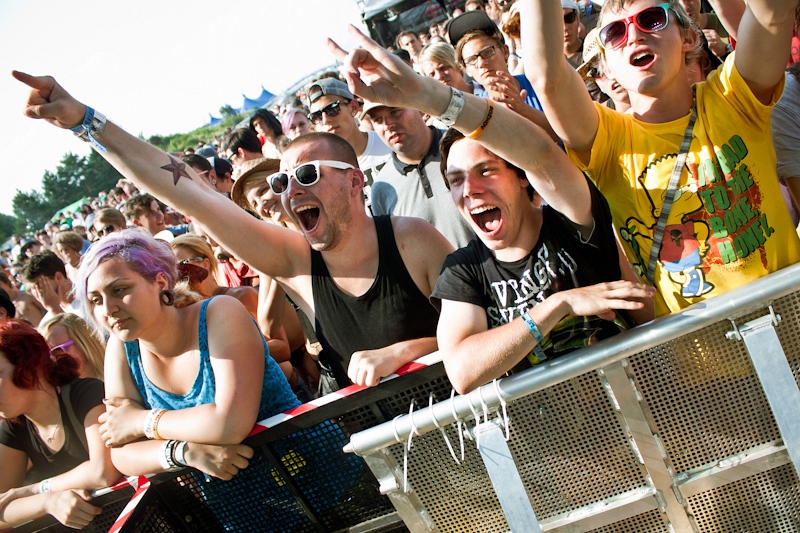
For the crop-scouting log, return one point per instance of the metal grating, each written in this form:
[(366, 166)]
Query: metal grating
[(768, 502), (703, 397), (649, 522)]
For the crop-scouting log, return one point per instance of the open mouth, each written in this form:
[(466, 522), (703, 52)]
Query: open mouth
[(308, 216), (642, 59), (487, 218)]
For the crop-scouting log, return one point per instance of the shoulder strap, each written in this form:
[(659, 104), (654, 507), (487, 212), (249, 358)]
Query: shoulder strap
[(73, 420)]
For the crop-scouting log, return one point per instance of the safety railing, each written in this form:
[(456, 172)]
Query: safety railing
[(689, 423), (663, 428)]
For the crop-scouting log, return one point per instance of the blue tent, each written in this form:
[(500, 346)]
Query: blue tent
[(212, 120)]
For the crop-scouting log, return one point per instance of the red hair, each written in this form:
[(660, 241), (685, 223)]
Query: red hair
[(27, 350)]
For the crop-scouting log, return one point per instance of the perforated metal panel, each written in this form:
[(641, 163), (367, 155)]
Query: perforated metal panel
[(705, 401), (765, 503)]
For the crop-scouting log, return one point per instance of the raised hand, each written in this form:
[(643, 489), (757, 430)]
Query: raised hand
[(49, 101), (375, 74)]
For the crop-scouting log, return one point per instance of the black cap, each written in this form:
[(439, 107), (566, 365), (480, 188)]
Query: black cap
[(470, 21)]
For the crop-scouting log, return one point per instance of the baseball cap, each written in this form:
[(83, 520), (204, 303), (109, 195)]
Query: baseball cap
[(571, 4), (470, 21), (328, 86), (369, 106)]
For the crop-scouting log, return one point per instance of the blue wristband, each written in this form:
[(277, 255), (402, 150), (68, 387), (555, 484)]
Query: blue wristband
[(537, 335), (85, 129)]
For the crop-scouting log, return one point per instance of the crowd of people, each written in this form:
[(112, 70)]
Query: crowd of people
[(524, 180)]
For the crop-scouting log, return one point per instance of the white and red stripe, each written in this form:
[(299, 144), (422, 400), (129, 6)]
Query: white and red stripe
[(141, 484)]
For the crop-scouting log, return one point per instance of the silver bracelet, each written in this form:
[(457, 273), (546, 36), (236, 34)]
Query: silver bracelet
[(454, 108)]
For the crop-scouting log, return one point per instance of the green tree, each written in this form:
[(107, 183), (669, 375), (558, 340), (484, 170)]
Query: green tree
[(8, 225), (98, 175), (32, 210), (64, 187), (227, 111)]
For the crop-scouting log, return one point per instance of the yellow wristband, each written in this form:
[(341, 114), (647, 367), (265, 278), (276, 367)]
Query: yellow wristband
[(485, 124), (158, 416)]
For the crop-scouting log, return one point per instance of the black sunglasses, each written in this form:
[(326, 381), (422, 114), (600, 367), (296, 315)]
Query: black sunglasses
[(306, 174), (102, 232), (570, 17), (331, 110)]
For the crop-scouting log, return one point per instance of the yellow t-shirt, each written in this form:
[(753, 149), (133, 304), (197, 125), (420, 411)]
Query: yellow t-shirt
[(728, 224)]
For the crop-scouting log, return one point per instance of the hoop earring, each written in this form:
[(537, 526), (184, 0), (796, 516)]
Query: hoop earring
[(167, 297)]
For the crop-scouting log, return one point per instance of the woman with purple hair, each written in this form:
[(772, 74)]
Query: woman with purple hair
[(295, 123), (186, 380)]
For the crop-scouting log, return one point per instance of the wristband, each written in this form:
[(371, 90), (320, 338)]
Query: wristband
[(93, 125), (485, 124), (537, 335), (165, 456), (151, 422), (44, 485), (179, 454), (454, 108)]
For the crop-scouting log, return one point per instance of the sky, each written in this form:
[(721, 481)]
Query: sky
[(152, 67)]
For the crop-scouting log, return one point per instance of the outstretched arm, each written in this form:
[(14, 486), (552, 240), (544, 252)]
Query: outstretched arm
[(763, 48), (560, 89), (378, 76), (174, 182), (474, 354)]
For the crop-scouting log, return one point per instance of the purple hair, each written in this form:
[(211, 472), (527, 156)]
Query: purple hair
[(288, 117), (142, 253)]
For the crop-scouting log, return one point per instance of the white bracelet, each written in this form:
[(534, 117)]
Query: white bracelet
[(179, 455), (44, 485), (162, 455), (454, 108), (150, 422)]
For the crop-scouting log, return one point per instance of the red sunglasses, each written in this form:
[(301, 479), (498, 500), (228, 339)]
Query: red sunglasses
[(648, 20)]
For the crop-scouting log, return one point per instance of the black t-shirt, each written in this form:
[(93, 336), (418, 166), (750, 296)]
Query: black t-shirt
[(85, 394), (559, 261)]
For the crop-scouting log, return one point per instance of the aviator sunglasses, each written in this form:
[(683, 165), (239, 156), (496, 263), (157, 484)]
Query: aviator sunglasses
[(306, 174), (650, 20), (331, 110)]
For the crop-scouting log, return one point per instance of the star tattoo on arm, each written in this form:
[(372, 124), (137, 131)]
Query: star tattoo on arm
[(177, 168)]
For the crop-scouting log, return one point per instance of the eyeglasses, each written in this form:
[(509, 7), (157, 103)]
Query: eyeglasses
[(570, 17), (190, 260), (102, 232), (484, 54), (61, 346), (650, 20), (306, 174), (331, 110)]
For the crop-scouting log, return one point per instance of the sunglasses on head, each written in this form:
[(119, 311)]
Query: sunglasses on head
[(570, 17), (306, 174), (649, 20), (331, 110)]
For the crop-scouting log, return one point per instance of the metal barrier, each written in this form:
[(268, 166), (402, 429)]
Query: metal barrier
[(689, 423), (663, 428)]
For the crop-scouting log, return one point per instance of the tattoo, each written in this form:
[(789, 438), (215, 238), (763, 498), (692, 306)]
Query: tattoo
[(177, 168)]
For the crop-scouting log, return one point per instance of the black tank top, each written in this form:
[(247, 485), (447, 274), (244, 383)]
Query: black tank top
[(392, 310)]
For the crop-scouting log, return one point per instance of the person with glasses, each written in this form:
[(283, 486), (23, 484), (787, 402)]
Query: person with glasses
[(333, 109), (108, 220), (729, 165), (241, 145), (51, 420), (481, 49), (70, 334), (573, 44), (368, 330)]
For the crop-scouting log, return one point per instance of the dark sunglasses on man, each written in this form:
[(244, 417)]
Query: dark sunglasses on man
[(331, 110), (570, 17), (102, 232), (306, 174)]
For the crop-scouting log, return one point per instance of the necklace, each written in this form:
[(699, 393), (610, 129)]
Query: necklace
[(53, 433)]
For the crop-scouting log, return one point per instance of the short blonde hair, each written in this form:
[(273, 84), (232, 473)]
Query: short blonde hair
[(82, 334), (197, 246), (440, 53)]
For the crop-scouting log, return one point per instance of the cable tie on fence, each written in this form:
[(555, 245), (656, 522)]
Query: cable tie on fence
[(503, 406), (394, 428), (484, 406), (477, 416), (441, 429), (458, 421), (407, 448)]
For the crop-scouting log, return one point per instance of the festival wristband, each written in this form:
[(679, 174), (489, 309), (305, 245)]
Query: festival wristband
[(537, 335), (485, 124), (93, 125), (151, 422), (44, 485), (454, 108)]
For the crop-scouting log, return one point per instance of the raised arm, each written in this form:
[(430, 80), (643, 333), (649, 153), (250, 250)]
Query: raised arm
[(176, 183), (763, 47), (378, 76), (565, 100)]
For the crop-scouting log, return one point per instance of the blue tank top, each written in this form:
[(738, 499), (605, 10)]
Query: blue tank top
[(276, 395)]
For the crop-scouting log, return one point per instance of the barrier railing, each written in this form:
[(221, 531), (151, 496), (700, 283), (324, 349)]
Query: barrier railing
[(663, 428), (667, 427)]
